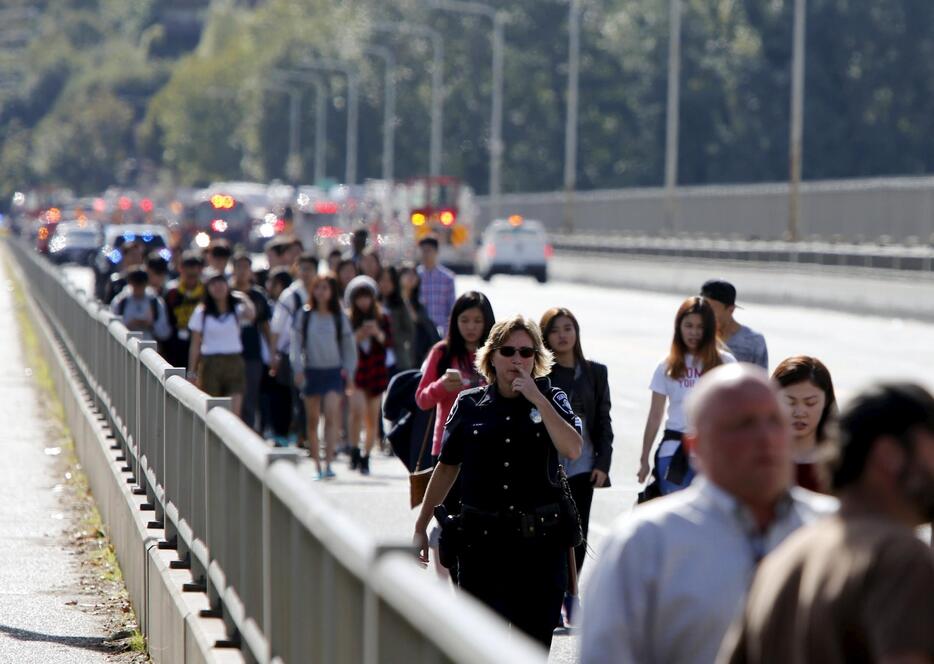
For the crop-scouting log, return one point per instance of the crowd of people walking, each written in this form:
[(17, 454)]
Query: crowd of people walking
[(772, 530)]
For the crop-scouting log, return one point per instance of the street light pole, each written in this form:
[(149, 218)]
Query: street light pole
[(797, 120), (436, 134), (321, 132), (570, 128), (389, 108), (350, 72), (294, 162), (321, 129), (672, 112), (498, 19)]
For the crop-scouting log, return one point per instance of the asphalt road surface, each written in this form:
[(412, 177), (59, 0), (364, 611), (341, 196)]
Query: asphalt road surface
[(630, 332)]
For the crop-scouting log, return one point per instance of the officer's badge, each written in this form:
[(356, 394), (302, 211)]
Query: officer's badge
[(535, 416)]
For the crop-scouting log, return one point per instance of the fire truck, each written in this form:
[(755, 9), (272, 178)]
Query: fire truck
[(442, 207)]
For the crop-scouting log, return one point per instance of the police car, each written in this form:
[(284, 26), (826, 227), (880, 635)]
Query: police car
[(153, 238), (514, 246)]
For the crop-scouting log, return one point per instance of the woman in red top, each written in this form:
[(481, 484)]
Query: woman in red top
[(373, 335), (449, 367), (807, 389)]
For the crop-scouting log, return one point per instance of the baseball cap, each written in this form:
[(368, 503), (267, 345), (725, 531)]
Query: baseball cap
[(720, 290)]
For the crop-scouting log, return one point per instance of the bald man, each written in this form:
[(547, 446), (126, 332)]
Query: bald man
[(674, 573)]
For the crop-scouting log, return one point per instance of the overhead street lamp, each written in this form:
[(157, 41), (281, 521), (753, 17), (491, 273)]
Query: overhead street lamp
[(498, 18), (797, 120), (287, 76), (435, 149), (353, 115), (389, 107)]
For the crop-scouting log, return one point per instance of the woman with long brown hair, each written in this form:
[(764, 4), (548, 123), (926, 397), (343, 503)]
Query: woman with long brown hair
[(694, 351), (807, 390)]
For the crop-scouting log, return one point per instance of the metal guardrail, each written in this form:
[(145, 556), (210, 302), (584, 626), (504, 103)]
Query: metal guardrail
[(294, 579), (917, 258)]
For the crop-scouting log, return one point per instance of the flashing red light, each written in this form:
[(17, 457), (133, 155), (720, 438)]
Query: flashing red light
[(325, 207), (328, 232), (100, 205), (279, 225), (219, 225), (447, 217), (146, 205), (549, 251), (124, 203)]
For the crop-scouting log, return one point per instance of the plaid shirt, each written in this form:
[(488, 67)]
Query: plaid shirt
[(372, 374), (437, 294)]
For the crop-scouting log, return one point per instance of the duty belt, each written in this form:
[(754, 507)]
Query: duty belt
[(540, 521)]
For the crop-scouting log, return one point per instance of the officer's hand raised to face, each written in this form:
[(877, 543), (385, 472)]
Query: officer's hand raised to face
[(525, 385)]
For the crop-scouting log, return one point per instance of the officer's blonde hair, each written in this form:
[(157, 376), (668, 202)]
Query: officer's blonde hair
[(544, 358)]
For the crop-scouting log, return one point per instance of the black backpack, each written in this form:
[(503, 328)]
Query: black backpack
[(409, 422)]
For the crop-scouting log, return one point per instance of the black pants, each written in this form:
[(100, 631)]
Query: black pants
[(280, 407), (254, 377), (582, 492), (522, 580)]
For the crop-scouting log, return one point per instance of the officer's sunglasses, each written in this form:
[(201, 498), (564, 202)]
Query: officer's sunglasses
[(524, 352)]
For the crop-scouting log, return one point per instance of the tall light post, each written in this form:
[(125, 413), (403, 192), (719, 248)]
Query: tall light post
[(436, 133), (389, 108), (672, 112), (797, 120), (570, 127), (287, 77), (353, 117), (498, 18)]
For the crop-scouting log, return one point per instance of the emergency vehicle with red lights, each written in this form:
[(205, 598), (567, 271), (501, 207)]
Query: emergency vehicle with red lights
[(442, 207)]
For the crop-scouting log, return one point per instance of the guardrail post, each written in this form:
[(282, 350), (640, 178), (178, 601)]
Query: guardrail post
[(279, 454), (201, 495)]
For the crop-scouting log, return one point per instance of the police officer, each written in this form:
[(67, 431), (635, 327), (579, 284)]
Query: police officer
[(504, 440)]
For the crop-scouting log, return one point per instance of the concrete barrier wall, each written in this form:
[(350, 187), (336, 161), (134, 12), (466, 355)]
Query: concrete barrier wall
[(852, 210)]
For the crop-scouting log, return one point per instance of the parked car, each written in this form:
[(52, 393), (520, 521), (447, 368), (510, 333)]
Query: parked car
[(76, 242), (514, 246)]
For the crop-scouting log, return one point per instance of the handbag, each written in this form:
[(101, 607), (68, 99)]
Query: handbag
[(419, 478)]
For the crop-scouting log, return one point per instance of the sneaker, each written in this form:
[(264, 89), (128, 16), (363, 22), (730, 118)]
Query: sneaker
[(355, 458), (321, 476), (365, 465), (330, 474)]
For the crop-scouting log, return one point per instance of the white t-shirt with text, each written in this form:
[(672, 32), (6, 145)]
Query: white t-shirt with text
[(677, 390)]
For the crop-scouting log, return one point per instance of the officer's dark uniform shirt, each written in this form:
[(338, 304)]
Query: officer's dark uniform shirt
[(508, 461)]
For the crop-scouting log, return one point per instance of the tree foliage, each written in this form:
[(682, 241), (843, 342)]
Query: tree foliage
[(106, 83)]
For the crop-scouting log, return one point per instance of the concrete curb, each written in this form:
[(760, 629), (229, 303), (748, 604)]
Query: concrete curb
[(169, 617)]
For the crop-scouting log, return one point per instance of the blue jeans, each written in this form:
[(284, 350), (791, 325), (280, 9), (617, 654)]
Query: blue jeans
[(667, 487)]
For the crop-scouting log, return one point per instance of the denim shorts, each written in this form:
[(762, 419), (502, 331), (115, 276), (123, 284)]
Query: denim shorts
[(319, 382)]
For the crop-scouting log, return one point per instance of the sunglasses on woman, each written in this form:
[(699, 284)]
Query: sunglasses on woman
[(525, 352)]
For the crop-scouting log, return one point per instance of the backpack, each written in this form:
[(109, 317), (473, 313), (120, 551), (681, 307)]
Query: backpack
[(410, 424), (153, 304)]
